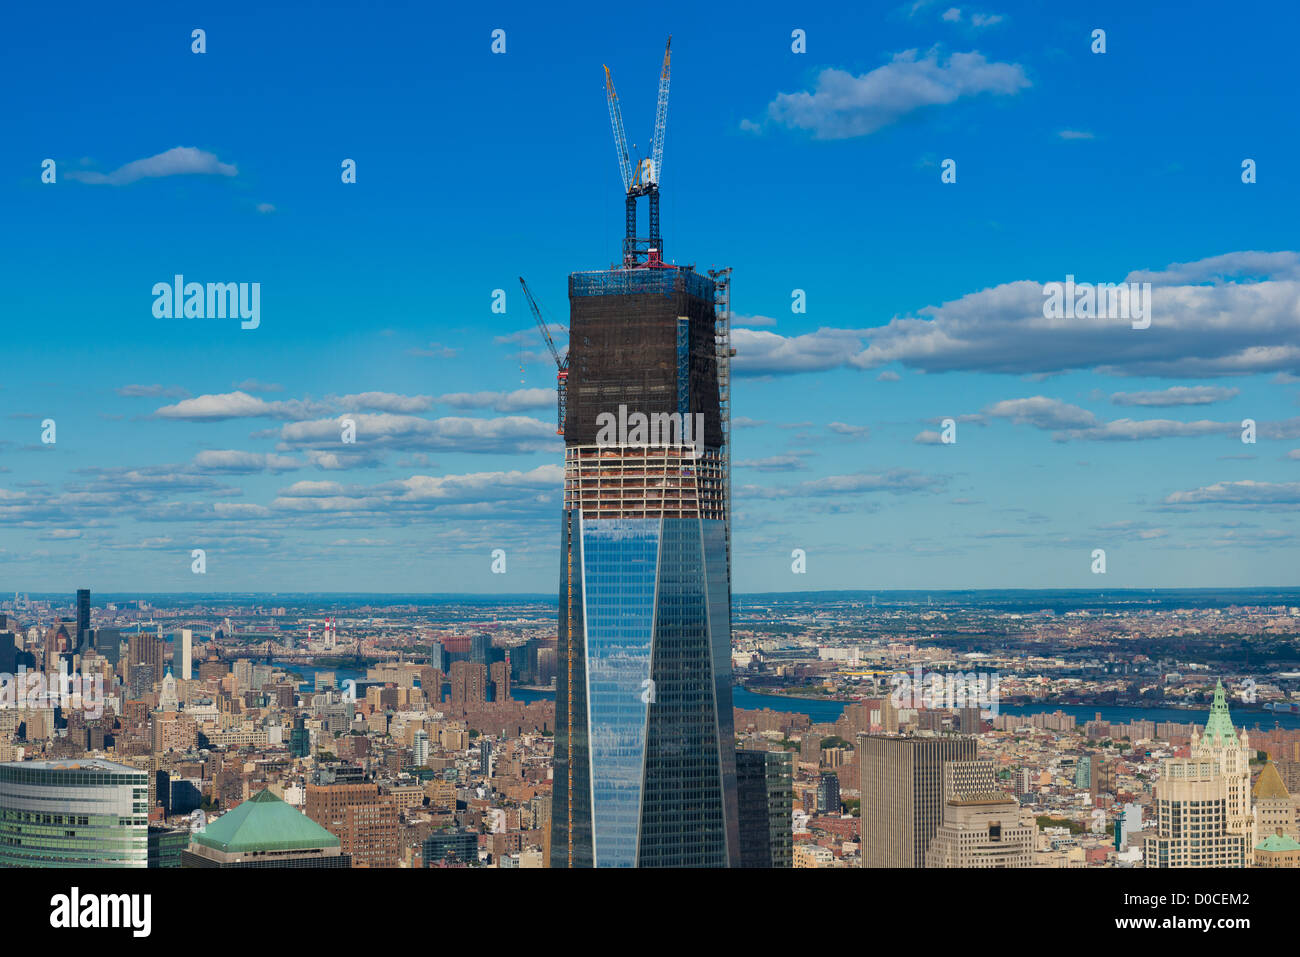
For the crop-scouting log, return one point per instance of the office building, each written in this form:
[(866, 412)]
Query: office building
[(365, 821), (451, 846), (765, 803), (468, 683), (1203, 802), (903, 794), (108, 644), (144, 652), (90, 813), (501, 680), (183, 668), (1275, 810), (828, 794), (1277, 850), (644, 756), (264, 832), (166, 844), (299, 738), (83, 617)]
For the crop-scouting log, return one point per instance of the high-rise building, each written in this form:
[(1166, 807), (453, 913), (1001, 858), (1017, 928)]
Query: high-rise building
[(91, 813), (765, 803), (364, 820), (1203, 802), (468, 683), (299, 738), (1083, 772), (108, 644), (982, 829), (183, 669), (451, 845), (145, 651), (501, 680), (83, 616), (644, 760), (166, 844), (903, 794), (828, 793), (1274, 807)]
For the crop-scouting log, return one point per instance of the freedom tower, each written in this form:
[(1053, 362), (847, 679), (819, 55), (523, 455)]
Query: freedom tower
[(644, 771)]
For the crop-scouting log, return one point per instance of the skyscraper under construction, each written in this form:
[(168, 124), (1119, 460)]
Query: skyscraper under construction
[(644, 747)]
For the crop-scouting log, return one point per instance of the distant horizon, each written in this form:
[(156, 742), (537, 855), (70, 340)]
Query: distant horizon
[(1235, 589)]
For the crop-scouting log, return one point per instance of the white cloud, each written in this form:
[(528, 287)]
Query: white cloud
[(387, 402), (516, 401), (856, 431), (178, 161), (1246, 492), (235, 461), (386, 431), (1176, 395), (843, 105), (894, 480), (768, 353)]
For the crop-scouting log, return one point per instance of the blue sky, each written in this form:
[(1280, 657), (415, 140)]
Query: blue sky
[(818, 171)]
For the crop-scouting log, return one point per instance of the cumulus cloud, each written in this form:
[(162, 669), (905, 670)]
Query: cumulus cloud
[(387, 402), (1176, 395), (1244, 493), (516, 401), (855, 431), (775, 463), (1070, 422), (241, 405), (1042, 413), (1201, 326), (535, 487), (386, 431), (894, 480), (178, 161), (842, 105), (1227, 328), (767, 353), (236, 462)]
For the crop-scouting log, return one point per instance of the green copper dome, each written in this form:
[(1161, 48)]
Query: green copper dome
[(1219, 729), (264, 823), (1277, 842)]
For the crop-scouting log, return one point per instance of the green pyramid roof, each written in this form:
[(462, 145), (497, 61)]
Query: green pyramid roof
[(1219, 729), (1277, 842), (264, 823)]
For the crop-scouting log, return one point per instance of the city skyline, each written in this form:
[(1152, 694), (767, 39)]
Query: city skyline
[(818, 171)]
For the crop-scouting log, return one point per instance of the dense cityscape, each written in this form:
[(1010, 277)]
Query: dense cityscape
[(390, 483), (385, 731)]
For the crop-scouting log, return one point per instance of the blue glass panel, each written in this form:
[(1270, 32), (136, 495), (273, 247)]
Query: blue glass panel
[(620, 557)]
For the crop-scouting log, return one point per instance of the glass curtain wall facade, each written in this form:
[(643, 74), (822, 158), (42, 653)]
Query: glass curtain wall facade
[(645, 761), (73, 814)]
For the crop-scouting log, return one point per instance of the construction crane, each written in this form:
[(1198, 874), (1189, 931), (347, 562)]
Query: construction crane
[(561, 362), (641, 179)]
